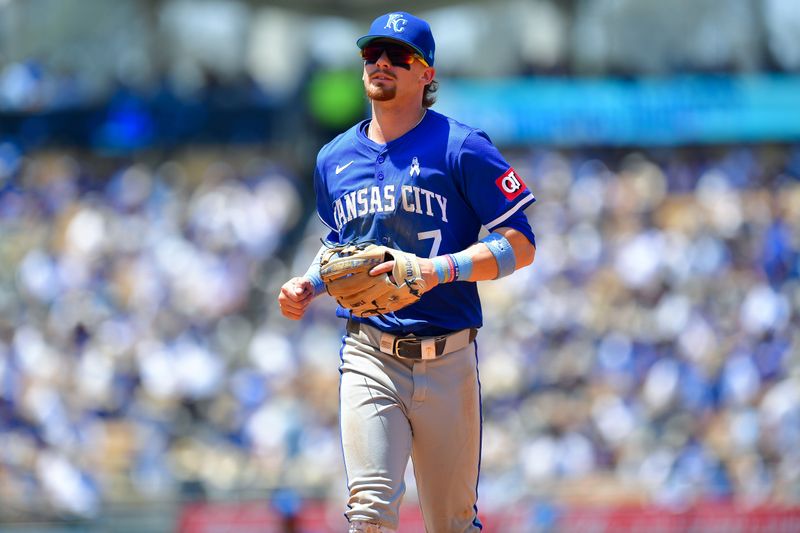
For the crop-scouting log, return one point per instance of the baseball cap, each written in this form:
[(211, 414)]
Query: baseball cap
[(403, 27)]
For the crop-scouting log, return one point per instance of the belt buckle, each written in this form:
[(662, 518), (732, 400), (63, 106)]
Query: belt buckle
[(400, 340)]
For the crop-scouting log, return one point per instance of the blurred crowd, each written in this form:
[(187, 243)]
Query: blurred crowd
[(650, 354), (58, 55), (655, 352)]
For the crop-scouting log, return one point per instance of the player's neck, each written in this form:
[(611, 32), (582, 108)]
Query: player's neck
[(391, 122)]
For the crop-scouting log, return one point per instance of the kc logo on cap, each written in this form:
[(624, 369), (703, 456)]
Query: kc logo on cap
[(396, 22)]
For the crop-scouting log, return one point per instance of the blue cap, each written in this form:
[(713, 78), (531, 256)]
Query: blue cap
[(403, 27)]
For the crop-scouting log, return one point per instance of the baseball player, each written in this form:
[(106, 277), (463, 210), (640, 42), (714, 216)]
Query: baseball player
[(414, 180)]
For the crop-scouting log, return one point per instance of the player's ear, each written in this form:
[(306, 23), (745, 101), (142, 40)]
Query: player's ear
[(427, 75)]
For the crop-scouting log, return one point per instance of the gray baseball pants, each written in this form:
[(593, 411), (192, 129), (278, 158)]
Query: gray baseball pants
[(393, 408)]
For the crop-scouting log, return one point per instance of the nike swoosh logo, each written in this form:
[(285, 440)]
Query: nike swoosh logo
[(340, 169)]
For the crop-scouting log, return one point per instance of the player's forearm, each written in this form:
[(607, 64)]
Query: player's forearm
[(479, 262), (484, 262), (312, 274)]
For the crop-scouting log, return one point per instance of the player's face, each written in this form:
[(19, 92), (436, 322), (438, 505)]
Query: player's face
[(391, 69)]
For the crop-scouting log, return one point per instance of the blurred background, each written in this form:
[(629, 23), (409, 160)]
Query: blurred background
[(156, 160)]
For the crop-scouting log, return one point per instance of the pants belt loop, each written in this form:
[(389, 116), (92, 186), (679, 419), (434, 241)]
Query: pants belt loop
[(428, 349), (387, 343)]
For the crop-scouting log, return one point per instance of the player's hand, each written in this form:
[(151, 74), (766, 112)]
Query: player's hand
[(294, 297), (425, 266)]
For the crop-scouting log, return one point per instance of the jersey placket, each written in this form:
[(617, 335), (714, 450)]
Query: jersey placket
[(380, 177)]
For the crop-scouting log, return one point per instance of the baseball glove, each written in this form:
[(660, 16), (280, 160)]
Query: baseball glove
[(345, 271)]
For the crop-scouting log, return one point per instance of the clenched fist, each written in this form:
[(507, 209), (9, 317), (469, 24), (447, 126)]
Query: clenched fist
[(295, 296)]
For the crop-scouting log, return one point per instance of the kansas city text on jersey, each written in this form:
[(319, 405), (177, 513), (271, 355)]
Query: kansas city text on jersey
[(369, 200)]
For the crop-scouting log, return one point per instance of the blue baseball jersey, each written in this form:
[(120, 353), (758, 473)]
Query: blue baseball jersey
[(429, 193)]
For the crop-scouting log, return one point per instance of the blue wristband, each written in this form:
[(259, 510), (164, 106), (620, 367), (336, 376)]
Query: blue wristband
[(442, 268), (313, 274), (316, 281), (453, 267), (463, 262), (503, 253)]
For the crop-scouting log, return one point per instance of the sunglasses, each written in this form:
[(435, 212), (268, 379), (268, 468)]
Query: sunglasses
[(400, 56)]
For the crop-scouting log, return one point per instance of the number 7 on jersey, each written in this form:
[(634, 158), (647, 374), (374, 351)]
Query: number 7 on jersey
[(436, 235)]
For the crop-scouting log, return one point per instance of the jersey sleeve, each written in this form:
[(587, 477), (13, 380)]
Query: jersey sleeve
[(324, 204), (492, 187)]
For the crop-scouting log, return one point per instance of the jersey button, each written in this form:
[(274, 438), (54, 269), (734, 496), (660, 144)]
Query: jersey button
[(380, 175), (381, 159)]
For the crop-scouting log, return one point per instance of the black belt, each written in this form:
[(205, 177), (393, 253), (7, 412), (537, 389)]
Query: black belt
[(412, 347)]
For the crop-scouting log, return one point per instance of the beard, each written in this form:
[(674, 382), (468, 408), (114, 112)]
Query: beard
[(379, 91)]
